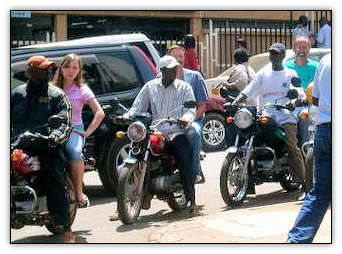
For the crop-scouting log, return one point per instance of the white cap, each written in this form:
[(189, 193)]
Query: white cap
[(168, 62)]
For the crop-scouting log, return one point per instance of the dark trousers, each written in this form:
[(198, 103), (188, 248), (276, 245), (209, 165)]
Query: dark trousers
[(53, 183), (317, 201), (181, 150)]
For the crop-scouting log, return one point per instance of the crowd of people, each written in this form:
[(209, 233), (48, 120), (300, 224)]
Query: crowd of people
[(179, 80)]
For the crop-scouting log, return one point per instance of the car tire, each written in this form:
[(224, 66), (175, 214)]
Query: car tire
[(109, 173), (214, 132)]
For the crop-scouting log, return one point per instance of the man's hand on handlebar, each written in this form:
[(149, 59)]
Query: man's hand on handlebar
[(52, 140)]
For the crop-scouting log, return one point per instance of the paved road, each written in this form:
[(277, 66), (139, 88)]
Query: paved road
[(159, 224)]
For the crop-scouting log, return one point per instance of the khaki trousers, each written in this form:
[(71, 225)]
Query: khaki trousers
[(295, 155)]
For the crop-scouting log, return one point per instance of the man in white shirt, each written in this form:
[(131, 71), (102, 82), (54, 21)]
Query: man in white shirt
[(271, 84), (324, 34)]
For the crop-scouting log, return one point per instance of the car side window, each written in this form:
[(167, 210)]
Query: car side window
[(92, 73), (118, 70)]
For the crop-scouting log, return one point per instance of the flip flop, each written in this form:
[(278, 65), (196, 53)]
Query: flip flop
[(84, 203)]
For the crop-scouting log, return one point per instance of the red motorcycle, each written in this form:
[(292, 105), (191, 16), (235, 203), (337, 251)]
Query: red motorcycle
[(150, 169)]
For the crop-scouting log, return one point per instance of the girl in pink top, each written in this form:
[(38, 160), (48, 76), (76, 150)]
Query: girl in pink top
[(69, 78)]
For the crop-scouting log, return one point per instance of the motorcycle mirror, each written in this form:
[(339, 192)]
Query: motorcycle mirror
[(296, 82), (54, 121), (190, 104), (292, 94)]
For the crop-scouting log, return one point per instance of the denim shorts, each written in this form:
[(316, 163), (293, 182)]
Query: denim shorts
[(75, 145)]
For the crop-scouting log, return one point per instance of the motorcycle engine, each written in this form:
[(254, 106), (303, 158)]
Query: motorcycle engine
[(165, 184)]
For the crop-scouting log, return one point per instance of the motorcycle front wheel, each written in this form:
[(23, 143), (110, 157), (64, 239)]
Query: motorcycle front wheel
[(57, 229), (233, 184), (129, 201), (310, 169)]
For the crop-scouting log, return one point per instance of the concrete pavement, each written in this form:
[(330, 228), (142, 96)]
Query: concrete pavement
[(265, 224)]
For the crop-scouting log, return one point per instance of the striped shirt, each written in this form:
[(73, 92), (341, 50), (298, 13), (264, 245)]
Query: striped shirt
[(160, 101)]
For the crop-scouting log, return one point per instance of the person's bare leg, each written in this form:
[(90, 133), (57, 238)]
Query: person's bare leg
[(77, 172)]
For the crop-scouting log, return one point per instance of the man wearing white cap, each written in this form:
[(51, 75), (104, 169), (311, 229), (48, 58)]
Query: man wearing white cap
[(160, 96)]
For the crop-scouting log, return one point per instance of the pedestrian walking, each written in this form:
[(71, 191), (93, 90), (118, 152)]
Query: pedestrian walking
[(190, 56), (317, 201)]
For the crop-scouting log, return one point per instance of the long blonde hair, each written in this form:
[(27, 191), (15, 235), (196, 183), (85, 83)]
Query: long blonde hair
[(59, 79)]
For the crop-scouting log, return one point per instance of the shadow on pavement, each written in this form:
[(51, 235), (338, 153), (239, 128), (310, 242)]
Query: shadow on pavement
[(153, 220), (79, 235), (98, 195), (272, 198)]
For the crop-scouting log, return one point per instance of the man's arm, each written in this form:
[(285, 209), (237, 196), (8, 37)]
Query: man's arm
[(63, 110), (189, 113), (141, 103)]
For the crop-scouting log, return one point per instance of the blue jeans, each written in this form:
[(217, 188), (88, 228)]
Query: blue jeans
[(318, 199), (74, 145), (194, 135)]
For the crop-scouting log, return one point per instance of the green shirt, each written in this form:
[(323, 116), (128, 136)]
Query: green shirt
[(306, 73)]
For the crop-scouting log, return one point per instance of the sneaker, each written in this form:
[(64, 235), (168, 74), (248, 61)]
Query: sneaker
[(83, 203)]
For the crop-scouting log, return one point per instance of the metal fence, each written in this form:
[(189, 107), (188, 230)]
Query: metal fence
[(219, 39)]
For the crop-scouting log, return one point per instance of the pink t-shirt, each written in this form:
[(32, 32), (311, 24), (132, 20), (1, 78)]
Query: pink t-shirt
[(78, 96)]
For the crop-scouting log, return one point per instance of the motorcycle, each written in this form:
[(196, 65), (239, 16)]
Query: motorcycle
[(150, 170), (261, 157), (28, 200)]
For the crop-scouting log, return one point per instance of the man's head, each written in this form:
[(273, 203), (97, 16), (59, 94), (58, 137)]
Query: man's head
[(168, 67), (323, 21), (277, 54), (241, 43), (39, 69), (303, 20), (178, 53), (301, 47), (241, 55)]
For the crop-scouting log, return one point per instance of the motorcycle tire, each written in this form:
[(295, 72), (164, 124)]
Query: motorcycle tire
[(177, 203), (128, 212), (57, 229), (232, 199), (109, 173), (310, 169)]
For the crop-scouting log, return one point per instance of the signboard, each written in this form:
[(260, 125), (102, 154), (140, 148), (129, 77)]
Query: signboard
[(20, 14)]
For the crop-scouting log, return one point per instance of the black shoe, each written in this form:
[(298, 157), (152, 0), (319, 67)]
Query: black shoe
[(199, 178), (251, 189)]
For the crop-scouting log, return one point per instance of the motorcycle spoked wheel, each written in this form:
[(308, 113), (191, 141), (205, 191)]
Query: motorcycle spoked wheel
[(177, 201), (57, 229), (233, 184), (129, 202)]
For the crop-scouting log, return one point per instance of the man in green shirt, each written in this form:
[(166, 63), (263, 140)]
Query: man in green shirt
[(305, 68)]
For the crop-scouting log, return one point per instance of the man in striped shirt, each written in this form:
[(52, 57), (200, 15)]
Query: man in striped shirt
[(159, 97)]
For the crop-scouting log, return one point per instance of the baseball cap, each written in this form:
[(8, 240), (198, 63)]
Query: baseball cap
[(278, 47), (40, 62), (168, 62)]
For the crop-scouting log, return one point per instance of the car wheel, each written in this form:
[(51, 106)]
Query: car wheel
[(117, 153), (214, 132)]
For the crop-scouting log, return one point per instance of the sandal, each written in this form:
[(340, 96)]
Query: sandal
[(83, 203)]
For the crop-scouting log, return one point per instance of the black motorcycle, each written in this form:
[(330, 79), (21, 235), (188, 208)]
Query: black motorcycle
[(28, 199), (259, 154)]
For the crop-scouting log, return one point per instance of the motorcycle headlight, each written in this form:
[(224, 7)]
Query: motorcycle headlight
[(136, 132), (243, 118)]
